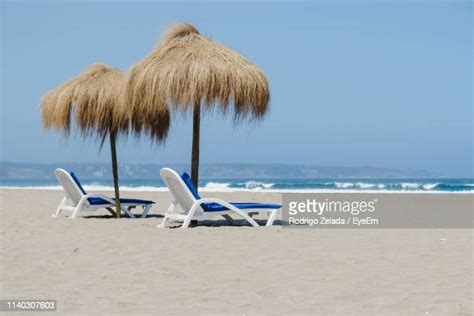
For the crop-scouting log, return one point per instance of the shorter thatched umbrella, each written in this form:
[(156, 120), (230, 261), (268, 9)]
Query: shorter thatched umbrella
[(90, 101), (186, 70)]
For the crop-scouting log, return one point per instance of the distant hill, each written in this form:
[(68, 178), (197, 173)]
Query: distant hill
[(9, 170)]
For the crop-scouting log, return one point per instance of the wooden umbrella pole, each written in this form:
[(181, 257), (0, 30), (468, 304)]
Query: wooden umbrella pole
[(113, 152), (195, 149)]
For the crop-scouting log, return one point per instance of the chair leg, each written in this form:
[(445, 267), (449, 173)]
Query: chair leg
[(272, 217), (164, 223), (166, 220), (187, 221), (76, 211), (60, 208), (146, 209), (79, 206), (190, 216), (58, 211), (128, 212)]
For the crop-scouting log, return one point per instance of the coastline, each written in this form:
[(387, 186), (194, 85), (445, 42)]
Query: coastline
[(233, 190)]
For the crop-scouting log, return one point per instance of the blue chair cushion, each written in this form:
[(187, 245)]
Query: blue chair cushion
[(101, 201), (189, 183), (215, 207), (73, 176)]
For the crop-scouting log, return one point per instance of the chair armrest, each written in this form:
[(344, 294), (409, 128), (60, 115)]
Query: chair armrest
[(214, 200), (223, 203), (106, 198)]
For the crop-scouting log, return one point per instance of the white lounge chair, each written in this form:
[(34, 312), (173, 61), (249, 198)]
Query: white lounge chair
[(197, 208), (78, 200)]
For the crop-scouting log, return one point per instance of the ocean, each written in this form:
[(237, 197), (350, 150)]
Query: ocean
[(283, 185)]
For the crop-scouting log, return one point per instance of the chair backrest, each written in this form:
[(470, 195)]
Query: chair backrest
[(71, 186), (179, 190)]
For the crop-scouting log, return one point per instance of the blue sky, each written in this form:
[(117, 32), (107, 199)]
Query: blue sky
[(354, 83)]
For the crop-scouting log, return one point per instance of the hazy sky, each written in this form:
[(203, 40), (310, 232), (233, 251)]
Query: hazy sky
[(355, 83)]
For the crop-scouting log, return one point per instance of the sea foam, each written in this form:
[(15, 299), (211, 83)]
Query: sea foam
[(255, 185)]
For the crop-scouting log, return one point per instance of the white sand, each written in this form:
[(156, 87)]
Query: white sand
[(98, 266)]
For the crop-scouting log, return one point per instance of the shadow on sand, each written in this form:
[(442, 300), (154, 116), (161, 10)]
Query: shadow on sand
[(207, 223)]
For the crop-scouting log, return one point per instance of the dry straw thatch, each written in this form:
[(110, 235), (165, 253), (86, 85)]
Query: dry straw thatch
[(90, 100), (187, 69)]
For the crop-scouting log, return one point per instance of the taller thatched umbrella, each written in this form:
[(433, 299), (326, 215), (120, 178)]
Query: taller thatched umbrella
[(186, 70), (89, 100)]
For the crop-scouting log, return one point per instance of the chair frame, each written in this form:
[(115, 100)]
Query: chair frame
[(77, 202), (196, 212)]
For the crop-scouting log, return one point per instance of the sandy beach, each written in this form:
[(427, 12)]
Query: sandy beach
[(100, 266)]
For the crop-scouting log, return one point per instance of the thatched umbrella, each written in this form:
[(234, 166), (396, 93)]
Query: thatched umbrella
[(186, 70), (90, 101)]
